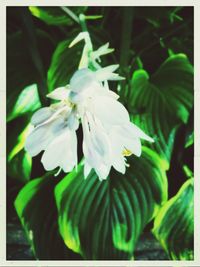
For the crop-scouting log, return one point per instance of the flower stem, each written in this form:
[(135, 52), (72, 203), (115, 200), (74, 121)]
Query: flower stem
[(70, 13), (83, 23)]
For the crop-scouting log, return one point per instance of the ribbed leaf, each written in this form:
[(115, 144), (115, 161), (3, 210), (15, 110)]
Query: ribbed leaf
[(163, 101), (103, 220), (174, 224), (36, 208), (55, 15)]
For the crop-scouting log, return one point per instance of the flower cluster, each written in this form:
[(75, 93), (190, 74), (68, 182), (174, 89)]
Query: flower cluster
[(108, 134)]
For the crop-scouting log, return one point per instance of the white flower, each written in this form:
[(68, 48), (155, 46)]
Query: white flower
[(108, 134), (55, 132)]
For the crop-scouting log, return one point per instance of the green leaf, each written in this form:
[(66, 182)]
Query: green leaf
[(160, 103), (21, 71), (174, 224), (27, 101), (103, 220), (93, 17), (55, 15), (36, 208), (64, 63), (19, 163)]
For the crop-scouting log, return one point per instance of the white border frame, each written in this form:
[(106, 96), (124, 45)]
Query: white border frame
[(3, 5)]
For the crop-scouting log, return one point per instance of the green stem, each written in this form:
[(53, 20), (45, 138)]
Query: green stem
[(127, 21), (70, 13), (126, 36), (83, 23)]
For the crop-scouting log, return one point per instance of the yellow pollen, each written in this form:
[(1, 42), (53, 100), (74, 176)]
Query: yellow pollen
[(126, 152)]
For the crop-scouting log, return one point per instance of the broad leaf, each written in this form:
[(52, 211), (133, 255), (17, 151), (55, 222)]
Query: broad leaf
[(36, 208), (55, 15), (174, 224), (161, 102), (103, 220), (19, 162)]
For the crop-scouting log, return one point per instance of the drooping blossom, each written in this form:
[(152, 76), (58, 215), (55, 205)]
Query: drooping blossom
[(108, 134)]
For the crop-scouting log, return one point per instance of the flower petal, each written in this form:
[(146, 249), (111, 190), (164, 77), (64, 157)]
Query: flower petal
[(41, 115), (62, 152), (87, 169), (116, 149), (103, 171), (41, 136), (82, 79), (110, 111), (135, 131), (134, 145), (73, 122), (106, 73), (96, 146), (60, 93), (118, 163)]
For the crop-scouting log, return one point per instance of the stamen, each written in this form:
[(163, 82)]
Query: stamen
[(58, 172), (126, 152)]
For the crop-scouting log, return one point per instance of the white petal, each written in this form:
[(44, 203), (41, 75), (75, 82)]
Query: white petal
[(41, 136), (134, 130), (117, 148), (134, 145), (103, 171), (119, 163), (87, 169), (103, 50), (103, 91), (128, 139), (95, 146), (37, 141), (82, 79), (79, 37), (63, 109), (110, 111), (62, 152), (41, 115), (60, 93), (106, 73), (70, 159), (73, 122)]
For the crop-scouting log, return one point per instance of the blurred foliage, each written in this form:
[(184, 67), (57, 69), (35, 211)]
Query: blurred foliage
[(154, 46)]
